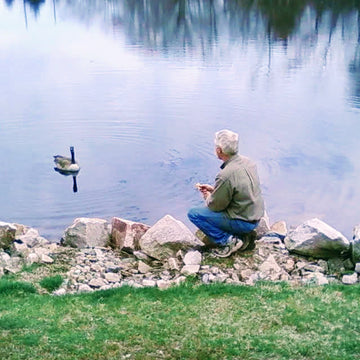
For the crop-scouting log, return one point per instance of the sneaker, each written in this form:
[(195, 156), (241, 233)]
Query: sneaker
[(208, 244), (248, 241), (232, 246)]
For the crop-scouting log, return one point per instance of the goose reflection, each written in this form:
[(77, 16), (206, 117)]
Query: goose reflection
[(67, 173)]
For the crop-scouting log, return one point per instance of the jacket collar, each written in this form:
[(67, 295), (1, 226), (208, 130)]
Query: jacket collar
[(225, 163)]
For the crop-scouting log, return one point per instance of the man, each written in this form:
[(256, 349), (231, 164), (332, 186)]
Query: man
[(234, 205)]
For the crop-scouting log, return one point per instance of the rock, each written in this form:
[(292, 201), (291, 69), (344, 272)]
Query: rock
[(32, 238), (190, 269), (59, 292), (7, 235), (45, 259), (141, 256), (86, 232), (96, 283), (84, 288), (112, 277), (357, 268), (316, 239), (126, 234), (316, 278), (270, 270), (173, 264), (5, 258), (166, 238), (32, 258), (163, 284), (279, 229), (355, 245), (192, 258), (264, 226), (149, 283), (350, 279), (143, 268)]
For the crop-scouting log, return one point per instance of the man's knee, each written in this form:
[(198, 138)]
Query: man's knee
[(192, 214)]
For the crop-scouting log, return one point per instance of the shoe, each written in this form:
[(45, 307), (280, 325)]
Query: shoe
[(208, 244), (248, 241), (233, 245)]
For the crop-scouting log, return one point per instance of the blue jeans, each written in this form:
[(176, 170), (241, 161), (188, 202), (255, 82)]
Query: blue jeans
[(217, 225)]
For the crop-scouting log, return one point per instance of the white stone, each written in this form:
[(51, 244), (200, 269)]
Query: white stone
[(279, 228), (45, 259), (317, 239), (193, 258), (30, 237), (96, 283), (149, 283), (270, 265), (315, 278), (173, 264), (143, 268), (164, 239), (112, 277), (41, 251), (350, 279), (21, 248), (84, 288), (163, 284), (357, 268), (59, 292), (32, 258), (87, 232), (5, 258), (190, 269)]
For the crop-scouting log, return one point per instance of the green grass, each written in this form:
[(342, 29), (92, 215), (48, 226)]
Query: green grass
[(51, 283), (267, 321)]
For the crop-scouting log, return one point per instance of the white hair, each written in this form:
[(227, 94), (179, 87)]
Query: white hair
[(228, 141)]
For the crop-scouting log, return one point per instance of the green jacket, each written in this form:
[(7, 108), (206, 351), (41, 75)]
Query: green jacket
[(237, 190)]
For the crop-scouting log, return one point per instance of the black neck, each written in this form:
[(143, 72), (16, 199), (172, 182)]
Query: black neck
[(72, 155)]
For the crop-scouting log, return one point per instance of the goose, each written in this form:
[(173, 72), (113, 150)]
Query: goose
[(65, 164)]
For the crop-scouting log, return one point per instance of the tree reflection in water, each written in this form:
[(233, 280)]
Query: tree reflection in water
[(188, 26)]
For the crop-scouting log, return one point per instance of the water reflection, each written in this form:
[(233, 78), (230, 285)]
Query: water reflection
[(194, 25), (66, 173)]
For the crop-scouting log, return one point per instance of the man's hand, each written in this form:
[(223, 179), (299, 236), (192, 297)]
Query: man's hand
[(205, 189)]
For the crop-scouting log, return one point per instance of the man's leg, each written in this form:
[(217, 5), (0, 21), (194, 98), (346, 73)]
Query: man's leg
[(211, 223), (217, 226)]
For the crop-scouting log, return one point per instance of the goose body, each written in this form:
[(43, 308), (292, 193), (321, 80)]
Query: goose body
[(66, 164)]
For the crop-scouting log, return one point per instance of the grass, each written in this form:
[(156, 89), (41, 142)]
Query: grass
[(267, 321), (51, 283)]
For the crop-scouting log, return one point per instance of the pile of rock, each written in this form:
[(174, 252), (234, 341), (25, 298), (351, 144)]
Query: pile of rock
[(102, 255)]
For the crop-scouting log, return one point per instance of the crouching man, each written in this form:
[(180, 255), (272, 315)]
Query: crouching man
[(234, 205)]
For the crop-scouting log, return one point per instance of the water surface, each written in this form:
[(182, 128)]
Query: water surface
[(140, 87)]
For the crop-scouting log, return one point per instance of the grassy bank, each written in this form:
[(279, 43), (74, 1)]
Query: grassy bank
[(267, 321)]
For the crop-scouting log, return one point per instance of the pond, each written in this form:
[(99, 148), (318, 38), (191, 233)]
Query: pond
[(139, 88)]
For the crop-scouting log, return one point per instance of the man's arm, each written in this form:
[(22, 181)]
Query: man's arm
[(221, 196)]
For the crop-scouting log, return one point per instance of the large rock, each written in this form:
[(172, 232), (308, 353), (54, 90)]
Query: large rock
[(164, 239), (32, 238), (264, 226), (7, 234), (126, 234), (87, 232), (316, 239), (355, 245)]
